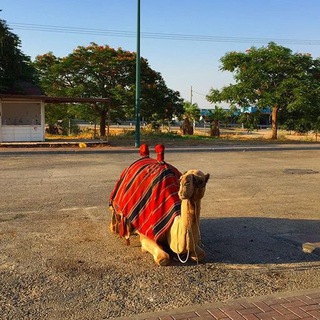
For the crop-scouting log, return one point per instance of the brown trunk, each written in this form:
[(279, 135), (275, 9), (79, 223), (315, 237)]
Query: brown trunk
[(103, 123), (190, 129), (94, 107), (215, 131), (187, 127), (108, 125), (274, 121)]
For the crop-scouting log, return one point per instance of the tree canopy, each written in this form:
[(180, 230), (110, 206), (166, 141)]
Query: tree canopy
[(15, 66), (101, 71), (274, 77)]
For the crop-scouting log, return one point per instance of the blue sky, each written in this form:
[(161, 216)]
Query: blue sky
[(187, 58)]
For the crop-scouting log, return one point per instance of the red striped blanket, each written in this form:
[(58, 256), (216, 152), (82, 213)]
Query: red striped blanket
[(147, 196)]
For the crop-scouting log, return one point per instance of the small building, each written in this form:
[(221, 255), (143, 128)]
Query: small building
[(22, 114), (264, 115), (254, 109)]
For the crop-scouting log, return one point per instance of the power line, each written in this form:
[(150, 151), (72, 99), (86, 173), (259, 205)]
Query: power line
[(155, 35), (201, 94)]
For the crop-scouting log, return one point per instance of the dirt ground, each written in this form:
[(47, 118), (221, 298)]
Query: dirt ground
[(265, 134), (235, 134), (58, 259)]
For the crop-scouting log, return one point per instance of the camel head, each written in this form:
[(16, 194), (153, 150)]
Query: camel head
[(193, 184)]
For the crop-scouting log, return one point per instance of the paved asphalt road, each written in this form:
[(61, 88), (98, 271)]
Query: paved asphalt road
[(58, 260)]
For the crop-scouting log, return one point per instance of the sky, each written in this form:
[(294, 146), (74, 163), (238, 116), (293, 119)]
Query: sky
[(184, 40)]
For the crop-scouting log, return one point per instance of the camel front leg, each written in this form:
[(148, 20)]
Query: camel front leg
[(198, 254), (159, 255)]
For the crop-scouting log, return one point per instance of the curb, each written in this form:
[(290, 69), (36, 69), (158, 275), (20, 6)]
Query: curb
[(73, 148), (210, 310)]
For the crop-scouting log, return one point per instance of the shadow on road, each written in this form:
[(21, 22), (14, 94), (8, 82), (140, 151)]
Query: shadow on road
[(259, 240)]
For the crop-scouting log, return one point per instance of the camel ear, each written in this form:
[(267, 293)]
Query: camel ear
[(207, 177), (182, 175), (199, 181)]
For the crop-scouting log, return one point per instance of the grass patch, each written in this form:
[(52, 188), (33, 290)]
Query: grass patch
[(126, 137)]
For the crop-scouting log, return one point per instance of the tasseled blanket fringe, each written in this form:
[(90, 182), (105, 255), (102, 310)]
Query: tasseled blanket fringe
[(121, 225)]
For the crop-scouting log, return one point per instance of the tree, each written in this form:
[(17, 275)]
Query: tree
[(316, 127), (101, 71), (191, 114), (160, 104), (15, 66), (273, 77), (215, 116)]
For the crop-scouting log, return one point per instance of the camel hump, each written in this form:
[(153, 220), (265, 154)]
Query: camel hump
[(146, 194)]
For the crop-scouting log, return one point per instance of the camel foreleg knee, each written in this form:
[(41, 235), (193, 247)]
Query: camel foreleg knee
[(159, 255)]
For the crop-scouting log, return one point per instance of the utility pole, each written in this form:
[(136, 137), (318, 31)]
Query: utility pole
[(137, 131), (191, 96)]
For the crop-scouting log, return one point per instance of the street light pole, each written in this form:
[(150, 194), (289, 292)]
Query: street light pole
[(137, 131)]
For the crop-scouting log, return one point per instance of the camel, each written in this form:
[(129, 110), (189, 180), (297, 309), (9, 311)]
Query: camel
[(177, 195)]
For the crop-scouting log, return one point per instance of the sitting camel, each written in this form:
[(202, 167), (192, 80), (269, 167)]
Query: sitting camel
[(162, 205)]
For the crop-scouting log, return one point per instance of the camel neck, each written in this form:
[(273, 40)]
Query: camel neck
[(189, 209), (191, 206)]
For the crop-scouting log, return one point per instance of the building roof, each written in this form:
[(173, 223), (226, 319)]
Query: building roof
[(23, 90), (47, 99)]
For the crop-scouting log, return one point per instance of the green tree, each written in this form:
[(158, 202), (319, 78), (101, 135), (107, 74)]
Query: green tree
[(101, 71), (316, 127), (273, 77), (190, 115), (249, 121), (15, 66), (215, 116), (295, 121)]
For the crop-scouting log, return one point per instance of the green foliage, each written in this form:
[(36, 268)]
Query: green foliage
[(316, 125), (101, 71), (301, 121), (250, 121), (289, 125), (14, 65), (273, 77), (191, 111), (302, 126), (218, 114), (63, 127), (215, 116), (59, 118)]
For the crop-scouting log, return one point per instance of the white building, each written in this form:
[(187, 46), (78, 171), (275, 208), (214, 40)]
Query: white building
[(22, 116)]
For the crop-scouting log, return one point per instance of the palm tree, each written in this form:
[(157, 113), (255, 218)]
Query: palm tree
[(191, 114), (216, 115)]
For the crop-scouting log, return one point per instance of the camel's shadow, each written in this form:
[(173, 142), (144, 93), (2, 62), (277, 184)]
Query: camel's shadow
[(259, 240)]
